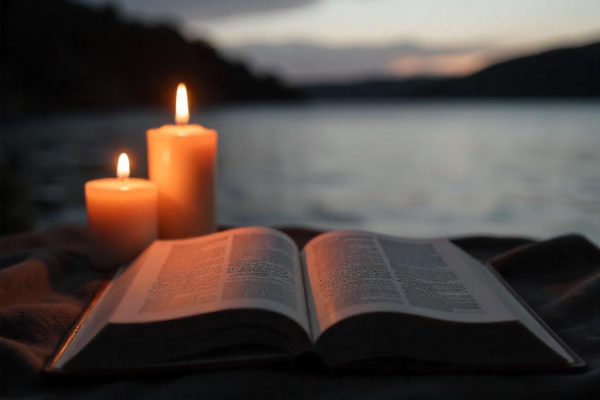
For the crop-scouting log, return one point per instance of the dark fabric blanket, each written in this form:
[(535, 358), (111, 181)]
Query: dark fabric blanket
[(46, 280)]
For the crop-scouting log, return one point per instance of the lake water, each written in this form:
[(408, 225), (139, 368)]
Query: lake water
[(414, 169)]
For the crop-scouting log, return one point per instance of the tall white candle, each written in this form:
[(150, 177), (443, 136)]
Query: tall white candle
[(122, 217), (182, 162)]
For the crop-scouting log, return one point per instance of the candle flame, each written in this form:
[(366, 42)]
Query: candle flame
[(182, 113), (123, 166)]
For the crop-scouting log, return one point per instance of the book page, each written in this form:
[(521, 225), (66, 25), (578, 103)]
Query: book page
[(101, 311), (353, 272), (513, 304), (240, 268)]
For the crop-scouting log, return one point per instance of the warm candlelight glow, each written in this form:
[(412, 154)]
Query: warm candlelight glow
[(182, 162), (123, 167), (182, 114)]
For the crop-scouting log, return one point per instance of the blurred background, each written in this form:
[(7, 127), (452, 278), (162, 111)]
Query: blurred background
[(415, 118)]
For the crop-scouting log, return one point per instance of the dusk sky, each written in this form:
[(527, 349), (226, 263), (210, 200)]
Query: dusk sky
[(337, 40)]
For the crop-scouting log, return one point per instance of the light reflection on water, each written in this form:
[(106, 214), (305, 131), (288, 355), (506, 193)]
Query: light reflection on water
[(419, 169)]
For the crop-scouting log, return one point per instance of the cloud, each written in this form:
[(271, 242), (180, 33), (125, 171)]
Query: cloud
[(438, 65), (198, 10), (305, 63)]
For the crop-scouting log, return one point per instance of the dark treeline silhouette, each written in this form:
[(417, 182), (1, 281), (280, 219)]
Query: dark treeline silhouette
[(569, 72), (57, 55), (62, 56)]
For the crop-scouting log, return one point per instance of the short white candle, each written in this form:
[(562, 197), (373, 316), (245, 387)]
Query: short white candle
[(182, 162), (122, 217)]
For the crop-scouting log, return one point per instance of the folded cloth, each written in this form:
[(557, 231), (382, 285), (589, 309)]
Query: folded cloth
[(46, 280)]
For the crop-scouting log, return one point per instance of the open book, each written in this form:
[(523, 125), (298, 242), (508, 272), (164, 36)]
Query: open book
[(350, 299)]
